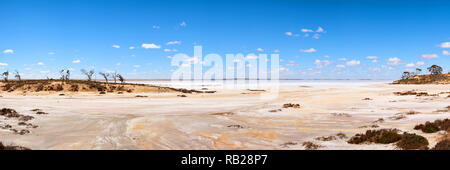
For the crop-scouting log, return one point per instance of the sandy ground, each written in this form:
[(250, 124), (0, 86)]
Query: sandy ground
[(228, 119)]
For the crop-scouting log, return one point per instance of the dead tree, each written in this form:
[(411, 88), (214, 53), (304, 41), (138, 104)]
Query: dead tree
[(17, 76), (5, 75), (88, 73), (105, 76)]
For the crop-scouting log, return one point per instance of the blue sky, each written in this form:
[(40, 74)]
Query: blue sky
[(315, 39)]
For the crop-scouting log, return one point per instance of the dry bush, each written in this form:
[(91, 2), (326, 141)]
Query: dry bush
[(74, 87), (25, 118), (431, 127), (12, 147), (406, 141), (9, 113), (223, 113), (326, 138), (414, 93), (311, 146), (291, 105), (442, 145), (412, 112), (236, 126), (383, 136), (412, 141)]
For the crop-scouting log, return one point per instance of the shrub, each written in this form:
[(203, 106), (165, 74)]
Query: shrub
[(291, 105), (311, 146), (431, 127), (11, 147), (412, 141), (383, 136), (442, 145)]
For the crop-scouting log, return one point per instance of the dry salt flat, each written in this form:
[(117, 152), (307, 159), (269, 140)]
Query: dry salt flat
[(235, 117)]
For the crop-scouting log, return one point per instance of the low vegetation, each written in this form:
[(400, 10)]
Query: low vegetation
[(412, 141), (311, 146), (32, 86), (383, 136), (442, 145), (287, 105), (12, 147), (406, 141), (414, 93), (437, 125), (435, 77)]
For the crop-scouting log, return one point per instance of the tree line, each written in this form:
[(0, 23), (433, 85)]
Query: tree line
[(65, 75), (434, 70)]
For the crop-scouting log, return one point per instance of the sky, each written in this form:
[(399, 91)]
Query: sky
[(350, 39)]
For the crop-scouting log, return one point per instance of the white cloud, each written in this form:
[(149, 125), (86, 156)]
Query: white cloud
[(394, 61), (353, 63), (429, 56), (116, 46), (342, 59), (326, 56), (131, 47), (374, 61), (306, 30), (375, 69), (445, 52), (250, 57), (316, 36), (169, 50), (320, 29), (40, 63), (445, 45), (76, 61), (276, 51), (8, 51), (410, 65), (169, 56), (311, 50), (173, 42), (283, 69), (321, 63), (3, 64), (118, 64), (183, 24), (417, 64), (340, 66), (420, 63), (152, 46), (259, 49), (288, 33), (155, 27), (44, 72), (372, 57), (195, 60), (136, 66), (51, 53)]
